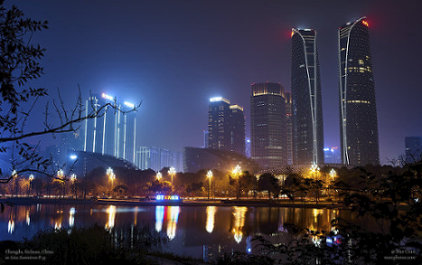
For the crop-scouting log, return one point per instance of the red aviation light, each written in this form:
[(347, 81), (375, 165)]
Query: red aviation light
[(291, 34), (364, 22)]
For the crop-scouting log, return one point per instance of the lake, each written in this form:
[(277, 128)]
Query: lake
[(195, 231)]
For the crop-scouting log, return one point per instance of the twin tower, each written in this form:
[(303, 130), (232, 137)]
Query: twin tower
[(358, 116), (287, 128)]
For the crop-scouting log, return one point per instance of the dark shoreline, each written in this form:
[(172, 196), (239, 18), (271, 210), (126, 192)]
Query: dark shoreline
[(134, 202)]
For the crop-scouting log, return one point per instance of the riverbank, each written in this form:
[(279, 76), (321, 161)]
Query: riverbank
[(184, 202)]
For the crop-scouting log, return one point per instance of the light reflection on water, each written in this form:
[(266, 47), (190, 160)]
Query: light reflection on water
[(188, 228)]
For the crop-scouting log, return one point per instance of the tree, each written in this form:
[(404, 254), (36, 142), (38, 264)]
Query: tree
[(19, 64), (268, 182)]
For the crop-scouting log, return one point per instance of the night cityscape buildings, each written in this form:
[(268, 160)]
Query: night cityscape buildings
[(114, 132), (226, 126), (413, 151), (358, 114), (268, 125), (306, 99), (157, 158)]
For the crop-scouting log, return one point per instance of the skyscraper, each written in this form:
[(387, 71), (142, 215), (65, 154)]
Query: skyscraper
[(358, 114), (226, 126), (113, 132), (306, 99), (268, 125), (289, 126)]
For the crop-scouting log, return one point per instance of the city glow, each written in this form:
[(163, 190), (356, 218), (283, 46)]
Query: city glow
[(159, 217), (218, 99), (209, 226), (108, 97), (129, 104)]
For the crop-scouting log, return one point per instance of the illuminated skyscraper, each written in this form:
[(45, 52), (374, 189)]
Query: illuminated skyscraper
[(358, 114), (289, 126), (268, 125), (226, 126), (113, 132), (306, 99)]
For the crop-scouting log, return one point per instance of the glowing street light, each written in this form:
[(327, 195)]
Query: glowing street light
[(129, 104), (111, 176), (172, 173), (31, 177), (333, 174), (209, 177), (236, 172), (159, 176), (73, 177), (73, 157)]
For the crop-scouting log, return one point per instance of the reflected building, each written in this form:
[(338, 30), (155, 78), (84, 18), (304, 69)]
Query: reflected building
[(358, 114), (306, 99), (159, 218), (268, 125), (172, 217), (111, 214)]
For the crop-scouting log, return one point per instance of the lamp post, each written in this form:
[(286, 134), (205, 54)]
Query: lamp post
[(159, 176), (111, 177), (30, 178), (73, 180), (172, 173), (60, 177), (209, 176), (236, 172)]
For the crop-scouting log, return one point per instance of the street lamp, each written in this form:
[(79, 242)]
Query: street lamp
[(237, 171), (73, 180), (158, 176), (172, 173), (60, 177), (111, 176), (209, 176), (30, 178)]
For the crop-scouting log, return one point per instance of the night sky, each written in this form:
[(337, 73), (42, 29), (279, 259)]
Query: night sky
[(175, 55)]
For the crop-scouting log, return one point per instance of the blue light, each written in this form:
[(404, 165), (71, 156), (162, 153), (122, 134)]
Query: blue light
[(159, 197)]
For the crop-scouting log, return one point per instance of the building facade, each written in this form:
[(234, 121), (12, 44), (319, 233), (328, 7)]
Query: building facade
[(289, 126), (268, 125), (226, 126), (113, 132), (358, 114), (413, 150), (156, 158), (306, 99)]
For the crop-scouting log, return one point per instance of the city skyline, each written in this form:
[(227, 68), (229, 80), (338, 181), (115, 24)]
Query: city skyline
[(266, 45)]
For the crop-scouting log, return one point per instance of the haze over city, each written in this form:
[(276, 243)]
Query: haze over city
[(173, 56)]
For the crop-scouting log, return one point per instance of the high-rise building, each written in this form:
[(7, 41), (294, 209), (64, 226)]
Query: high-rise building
[(226, 126), (113, 132), (358, 114), (157, 158), (306, 99), (332, 155), (413, 146), (268, 125), (289, 126)]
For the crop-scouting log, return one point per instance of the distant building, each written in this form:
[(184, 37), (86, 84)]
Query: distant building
[(157, 158), (413, 146), (332, 155), (205, 145), (306, 99), (206, 158), (226, 126), (358, 113), (268, 125), (113, 133)]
